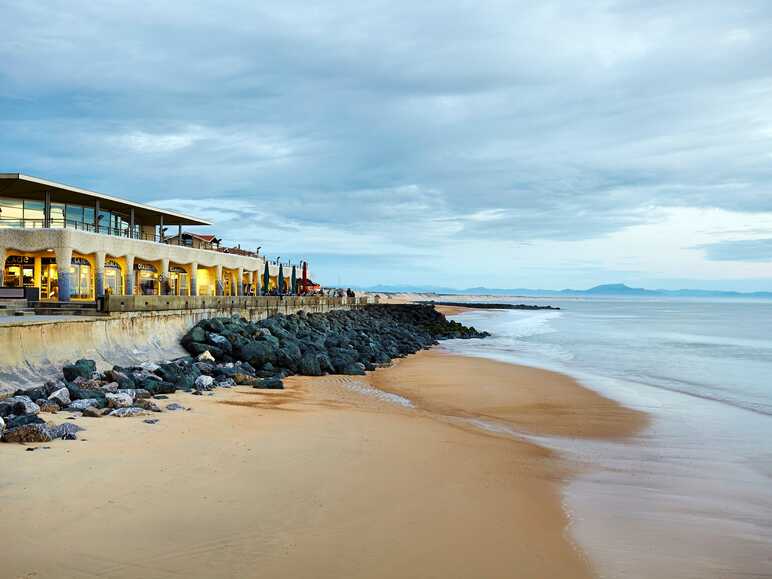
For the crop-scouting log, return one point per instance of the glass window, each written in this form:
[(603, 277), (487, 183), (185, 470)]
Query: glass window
[(34, 213), (88, 218), (104, 221), (81, 279), (12, 212), (57, 214), (74, 215)]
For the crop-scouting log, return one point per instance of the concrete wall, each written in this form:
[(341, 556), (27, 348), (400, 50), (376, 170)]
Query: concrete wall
[(34, 350)]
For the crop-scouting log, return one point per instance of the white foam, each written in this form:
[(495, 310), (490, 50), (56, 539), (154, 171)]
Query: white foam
[(367, 390)]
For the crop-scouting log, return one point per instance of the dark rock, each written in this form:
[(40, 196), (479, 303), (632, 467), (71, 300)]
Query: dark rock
[(173, 407), (81, 369), (16, 421), (18, 405), (36, 432), (269, 384), (66, 431), (151, 421), (92, 412)]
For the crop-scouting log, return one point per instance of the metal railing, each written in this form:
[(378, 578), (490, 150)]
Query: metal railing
[(11, 222)]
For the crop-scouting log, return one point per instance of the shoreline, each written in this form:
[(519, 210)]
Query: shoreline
[(276, 479)]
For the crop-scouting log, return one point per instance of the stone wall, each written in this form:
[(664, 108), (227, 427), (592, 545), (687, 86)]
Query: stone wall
[(34, 350)]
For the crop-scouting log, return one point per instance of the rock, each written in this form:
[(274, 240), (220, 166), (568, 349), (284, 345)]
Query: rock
[(92, 412), (149, 366), (126, 412), (61, 397), (174, 407), (122, 378), (33, 393), (18, 405), (36, 432), (16, 421), (2, 427), (219, 341), (269, 384), (204, 383), (206, 357), (81, 369), (245, 380), (53, 385), (151, 421), (50, 407), (111, 387), (66, 431), (147, 404), (119, 400), (83, 403)]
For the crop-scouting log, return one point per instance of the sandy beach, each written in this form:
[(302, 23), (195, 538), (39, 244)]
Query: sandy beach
[(324, 479)]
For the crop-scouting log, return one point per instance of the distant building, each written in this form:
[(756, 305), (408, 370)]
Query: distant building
[(75, 244)]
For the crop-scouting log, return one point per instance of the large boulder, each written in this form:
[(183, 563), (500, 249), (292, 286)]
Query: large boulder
[(269, 384), (245, 379), (119, 400), (18, 405), (127, 412), (36, 432), (219, 341), (61, 397), (64, 431), (123, 379), (2, 427), (204, 383), (257, 353), (81, 369), (83, 403)]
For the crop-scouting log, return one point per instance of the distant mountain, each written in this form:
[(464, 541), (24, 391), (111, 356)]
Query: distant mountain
[(608, 290)]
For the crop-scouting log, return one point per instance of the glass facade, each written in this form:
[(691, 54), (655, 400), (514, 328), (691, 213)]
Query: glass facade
[(30, 213)]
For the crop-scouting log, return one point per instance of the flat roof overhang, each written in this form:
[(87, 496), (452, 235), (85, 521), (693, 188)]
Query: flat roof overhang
[(20, 185)]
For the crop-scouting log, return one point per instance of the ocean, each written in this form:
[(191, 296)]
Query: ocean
[(691, 496)]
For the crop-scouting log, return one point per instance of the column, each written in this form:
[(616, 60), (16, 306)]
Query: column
[(2, 266), (219, 283), (63, 264), (256, 282), (129, 278), (163, 279), (194, 279), (240, 281), (100, 274)]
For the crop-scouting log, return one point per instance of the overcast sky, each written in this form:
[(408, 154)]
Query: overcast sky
[(507, 144)]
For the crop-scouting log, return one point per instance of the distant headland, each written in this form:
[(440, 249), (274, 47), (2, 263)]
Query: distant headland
[(605, 290)]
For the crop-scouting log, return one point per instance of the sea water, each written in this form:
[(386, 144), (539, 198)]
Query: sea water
[(690, 496)]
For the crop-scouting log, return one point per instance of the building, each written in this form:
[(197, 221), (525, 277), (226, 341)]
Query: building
[(75, 244)]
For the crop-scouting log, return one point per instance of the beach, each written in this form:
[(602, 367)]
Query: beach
[(328, 478)]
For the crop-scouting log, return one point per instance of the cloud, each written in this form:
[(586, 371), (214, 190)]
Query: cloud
[(400, 128), (739, 250)]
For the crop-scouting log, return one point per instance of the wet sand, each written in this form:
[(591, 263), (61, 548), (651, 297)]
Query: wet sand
[(323, 479)]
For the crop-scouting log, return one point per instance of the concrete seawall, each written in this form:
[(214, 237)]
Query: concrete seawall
[(34, 350)]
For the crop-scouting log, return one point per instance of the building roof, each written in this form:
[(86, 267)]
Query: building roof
[(18, 184)]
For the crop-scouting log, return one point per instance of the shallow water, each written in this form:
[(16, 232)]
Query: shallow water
[(692, 495)]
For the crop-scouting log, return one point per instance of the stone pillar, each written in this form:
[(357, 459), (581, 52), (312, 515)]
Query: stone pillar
[(256, 282), (100, 274), (130, 279), (63, 264), (218, 281), (163, 279), (194, 279), (3, 255), (240, 281)]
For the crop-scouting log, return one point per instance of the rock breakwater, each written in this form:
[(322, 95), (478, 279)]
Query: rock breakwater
[(225, 352)]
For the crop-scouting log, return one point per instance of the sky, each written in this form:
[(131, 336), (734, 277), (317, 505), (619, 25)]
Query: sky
[(472, 143)]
